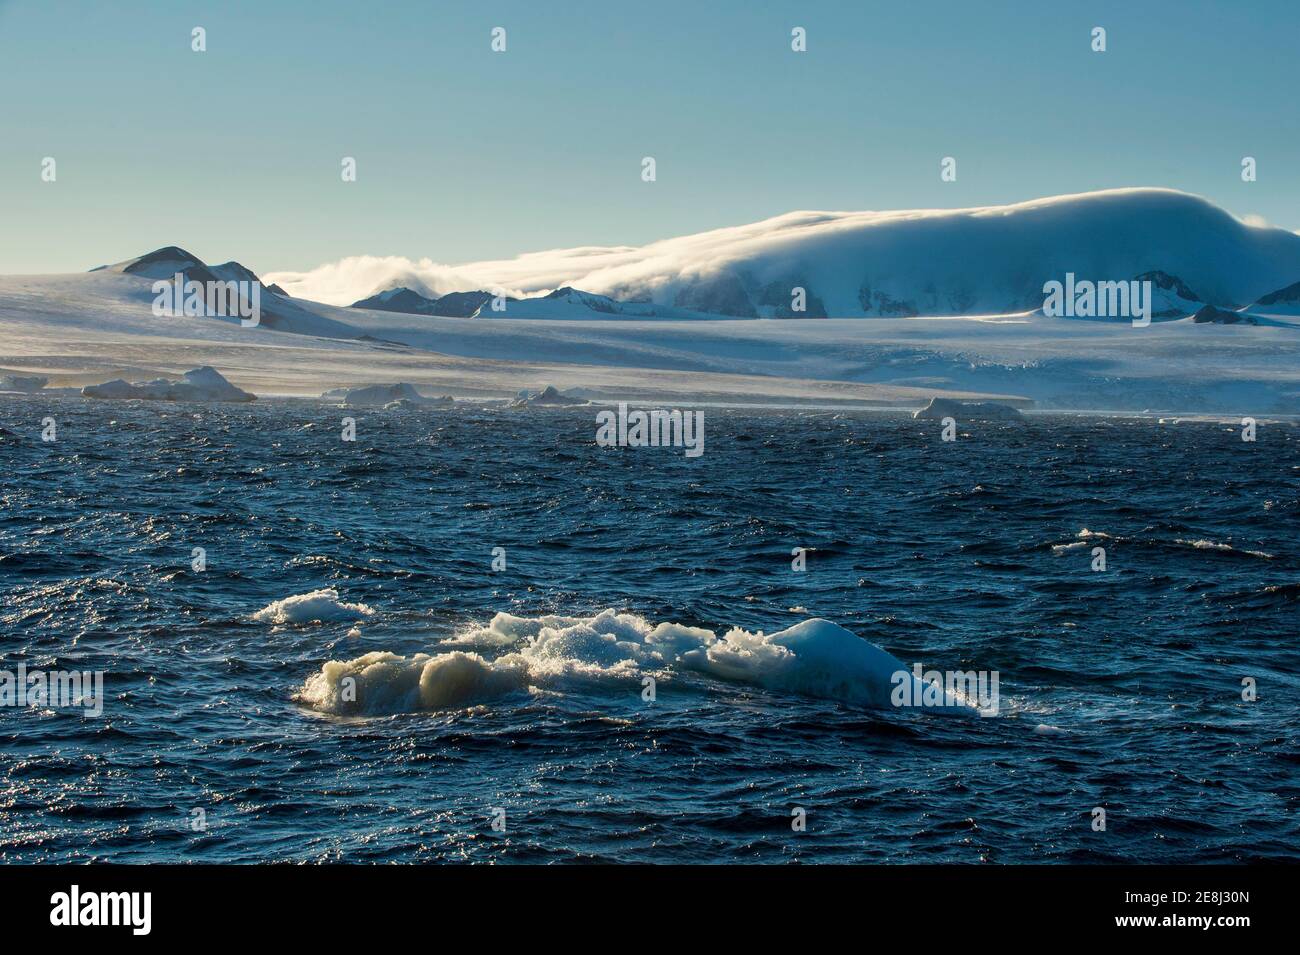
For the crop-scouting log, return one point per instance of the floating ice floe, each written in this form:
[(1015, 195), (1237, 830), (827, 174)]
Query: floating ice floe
[(200, 384), (968, 410), (388, 683), (400, 395), (814, 658), (319, 605)]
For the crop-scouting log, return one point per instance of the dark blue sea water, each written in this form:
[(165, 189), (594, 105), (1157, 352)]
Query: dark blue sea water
[(1120, 689)]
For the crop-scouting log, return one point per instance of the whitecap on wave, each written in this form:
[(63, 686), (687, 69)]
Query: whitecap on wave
[(1085, 537)]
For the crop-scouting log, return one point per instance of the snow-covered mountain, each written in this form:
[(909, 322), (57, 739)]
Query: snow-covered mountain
[(278, 311), (563, 303), (410, 302), (404, 300), (988, 260), (1171, 298), (166, 262)]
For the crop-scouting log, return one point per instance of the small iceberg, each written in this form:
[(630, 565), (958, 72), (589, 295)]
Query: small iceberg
[(814, 658), (201, 384), (399, 395), (319, 606), (23, 384), (968, 410), (548, 397)]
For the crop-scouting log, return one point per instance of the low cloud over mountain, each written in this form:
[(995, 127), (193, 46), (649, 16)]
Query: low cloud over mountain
[(987, 260)]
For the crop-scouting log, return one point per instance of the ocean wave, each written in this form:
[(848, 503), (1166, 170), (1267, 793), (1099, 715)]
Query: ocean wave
[(1085, 537), (814, 658), (1081, 541), (1226, 548)]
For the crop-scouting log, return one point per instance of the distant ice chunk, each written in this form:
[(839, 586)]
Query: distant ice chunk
[(379, 396), (200, 384), (23, 383), (118, 388), (968, 410), (548, 397)]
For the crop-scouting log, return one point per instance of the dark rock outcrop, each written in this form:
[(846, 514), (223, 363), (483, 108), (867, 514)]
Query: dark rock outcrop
[(1210, 315), (722, 294), (878, 303), (462, 304), (1169, 283), (780, 295), (1283, 296)]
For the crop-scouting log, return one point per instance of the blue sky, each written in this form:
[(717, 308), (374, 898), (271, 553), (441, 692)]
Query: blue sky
[(466, 154)]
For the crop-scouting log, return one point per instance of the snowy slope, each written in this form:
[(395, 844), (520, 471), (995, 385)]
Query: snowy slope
[(91, 327), (989, 260), (278, 312)]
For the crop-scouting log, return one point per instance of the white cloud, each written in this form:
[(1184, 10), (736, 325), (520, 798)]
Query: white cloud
[(623, 271)]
